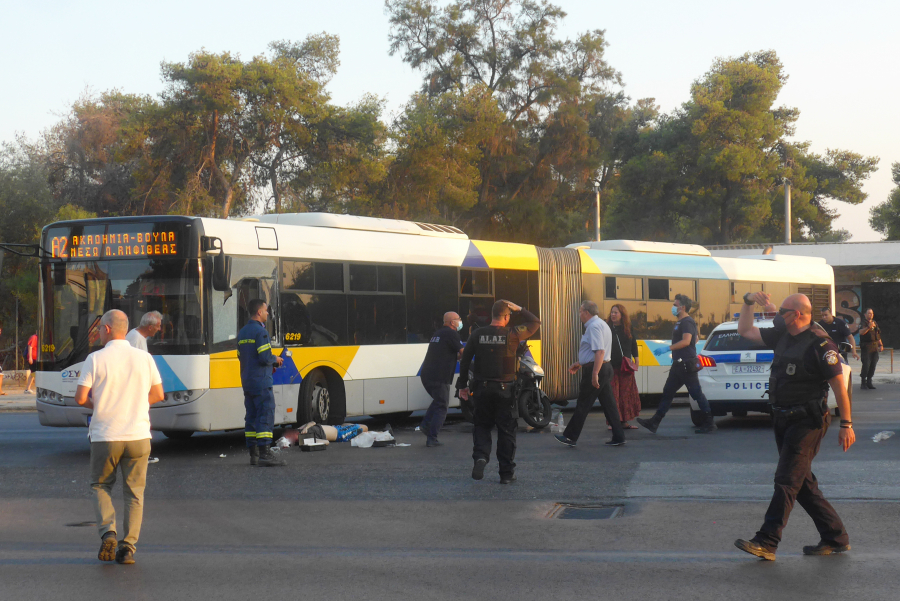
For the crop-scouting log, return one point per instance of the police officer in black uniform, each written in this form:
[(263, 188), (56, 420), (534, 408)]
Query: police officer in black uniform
[(255, 353), (806, 363), (494, 350)]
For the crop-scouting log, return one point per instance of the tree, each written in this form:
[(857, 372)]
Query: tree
[(543, 85), (712, 171), (230, 112), (26, 205), (885, 217)]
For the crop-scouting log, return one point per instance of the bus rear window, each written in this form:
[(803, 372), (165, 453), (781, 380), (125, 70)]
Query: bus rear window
[(730, 340)]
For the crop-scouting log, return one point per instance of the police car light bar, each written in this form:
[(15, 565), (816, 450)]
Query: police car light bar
[(758, 316)]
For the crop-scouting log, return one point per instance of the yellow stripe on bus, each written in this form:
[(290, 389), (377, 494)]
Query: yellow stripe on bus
[(507, 255), (225, 368), (587, 263)]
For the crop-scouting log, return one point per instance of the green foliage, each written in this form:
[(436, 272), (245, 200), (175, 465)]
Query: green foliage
[(542, 158), (26, 205), (713, 171), (885, 217)]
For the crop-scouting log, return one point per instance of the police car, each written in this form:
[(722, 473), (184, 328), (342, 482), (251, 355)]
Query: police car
[(734, 372)]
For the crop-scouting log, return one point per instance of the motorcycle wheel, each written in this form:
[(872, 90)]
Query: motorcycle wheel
[(534, 408)]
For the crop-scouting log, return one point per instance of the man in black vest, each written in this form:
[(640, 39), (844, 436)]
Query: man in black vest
[(494, 350), (806, 363)]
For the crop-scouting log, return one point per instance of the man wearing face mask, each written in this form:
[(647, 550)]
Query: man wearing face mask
[(806, 363), (684, 369), (444, 351)]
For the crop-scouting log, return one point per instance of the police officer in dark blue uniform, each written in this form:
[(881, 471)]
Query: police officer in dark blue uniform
[(806, 363), (494, 348), (255, 353), (437, 374)]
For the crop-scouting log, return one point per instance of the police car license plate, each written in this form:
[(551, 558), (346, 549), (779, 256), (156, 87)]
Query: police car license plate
[(748, 369)]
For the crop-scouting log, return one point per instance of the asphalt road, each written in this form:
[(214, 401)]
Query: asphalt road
[(408, 523)]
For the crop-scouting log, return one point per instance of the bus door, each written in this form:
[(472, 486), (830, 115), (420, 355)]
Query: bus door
[(250, 288)]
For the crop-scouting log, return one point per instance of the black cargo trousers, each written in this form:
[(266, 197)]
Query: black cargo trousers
[(798, 440), (495, 405)]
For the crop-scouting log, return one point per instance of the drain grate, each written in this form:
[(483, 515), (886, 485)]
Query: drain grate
[(575, 511)]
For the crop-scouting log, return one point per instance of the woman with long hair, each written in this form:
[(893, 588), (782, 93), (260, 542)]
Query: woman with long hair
[(624, 346)]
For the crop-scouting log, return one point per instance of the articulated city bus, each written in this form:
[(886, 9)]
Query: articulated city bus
[(354, 301)]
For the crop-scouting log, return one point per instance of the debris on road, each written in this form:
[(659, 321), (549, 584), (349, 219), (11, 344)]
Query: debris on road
[(153, 460), (882, 436)]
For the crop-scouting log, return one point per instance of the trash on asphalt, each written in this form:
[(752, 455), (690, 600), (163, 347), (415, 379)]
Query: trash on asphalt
[(369, 439), (557, 422), (882, 436), (282, 443), (222, 456), (153, 460)]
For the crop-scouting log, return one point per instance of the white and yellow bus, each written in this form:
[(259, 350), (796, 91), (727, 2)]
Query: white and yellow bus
[(354, 302)]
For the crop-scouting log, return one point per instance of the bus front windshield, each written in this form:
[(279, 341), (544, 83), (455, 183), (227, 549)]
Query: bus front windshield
[(77, 294)]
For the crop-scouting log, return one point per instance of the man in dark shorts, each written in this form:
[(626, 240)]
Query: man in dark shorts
[(437, 372)]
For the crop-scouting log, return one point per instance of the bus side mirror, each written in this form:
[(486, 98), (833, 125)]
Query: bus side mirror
[(221, 277)]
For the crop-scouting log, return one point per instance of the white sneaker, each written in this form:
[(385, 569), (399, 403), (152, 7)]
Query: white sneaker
[(29, 392)]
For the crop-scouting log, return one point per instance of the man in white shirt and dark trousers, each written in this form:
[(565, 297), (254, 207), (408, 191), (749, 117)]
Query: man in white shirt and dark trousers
[(594, 355), (122, 382), (150, 325)]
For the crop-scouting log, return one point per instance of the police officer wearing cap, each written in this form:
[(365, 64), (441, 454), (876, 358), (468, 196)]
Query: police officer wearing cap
[(493, 349), (255, 354), (806, 363)]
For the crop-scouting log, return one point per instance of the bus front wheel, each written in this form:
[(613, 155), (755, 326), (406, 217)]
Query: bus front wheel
[(320, 399)]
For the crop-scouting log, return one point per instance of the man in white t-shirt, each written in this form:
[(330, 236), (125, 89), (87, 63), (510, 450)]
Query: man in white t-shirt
[(119, 382), (150, 324)]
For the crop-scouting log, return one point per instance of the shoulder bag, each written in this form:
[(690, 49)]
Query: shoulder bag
[(627, 366)]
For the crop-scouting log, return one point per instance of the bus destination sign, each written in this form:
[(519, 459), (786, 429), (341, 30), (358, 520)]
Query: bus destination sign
[(99, 242)]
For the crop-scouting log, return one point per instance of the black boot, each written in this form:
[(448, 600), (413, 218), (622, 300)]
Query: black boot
[(709, 425), (254, 455), (268, 459), (651, 424), (869, 384)]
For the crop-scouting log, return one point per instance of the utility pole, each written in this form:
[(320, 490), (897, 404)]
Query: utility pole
[(17, 333), (597, 213), (787, 204)]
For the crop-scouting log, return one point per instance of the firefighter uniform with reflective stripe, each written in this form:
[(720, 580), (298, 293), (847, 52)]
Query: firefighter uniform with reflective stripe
[(255, 354), (493, 349)]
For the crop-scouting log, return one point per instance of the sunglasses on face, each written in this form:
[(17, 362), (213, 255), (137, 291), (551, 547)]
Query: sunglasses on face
[(782, 311)]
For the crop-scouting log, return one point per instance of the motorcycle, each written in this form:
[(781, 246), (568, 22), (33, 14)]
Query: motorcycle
[(533, 404)]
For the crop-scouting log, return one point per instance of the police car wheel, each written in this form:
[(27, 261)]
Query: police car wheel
[(697, 418)]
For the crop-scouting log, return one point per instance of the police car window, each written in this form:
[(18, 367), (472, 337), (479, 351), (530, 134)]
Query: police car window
[(730, 340)]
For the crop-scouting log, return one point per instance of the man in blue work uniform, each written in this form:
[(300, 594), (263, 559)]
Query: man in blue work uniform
[(255, 353), (437, 375), (806, 364)]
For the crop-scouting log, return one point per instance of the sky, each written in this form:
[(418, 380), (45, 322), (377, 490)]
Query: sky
[(842, 60)]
